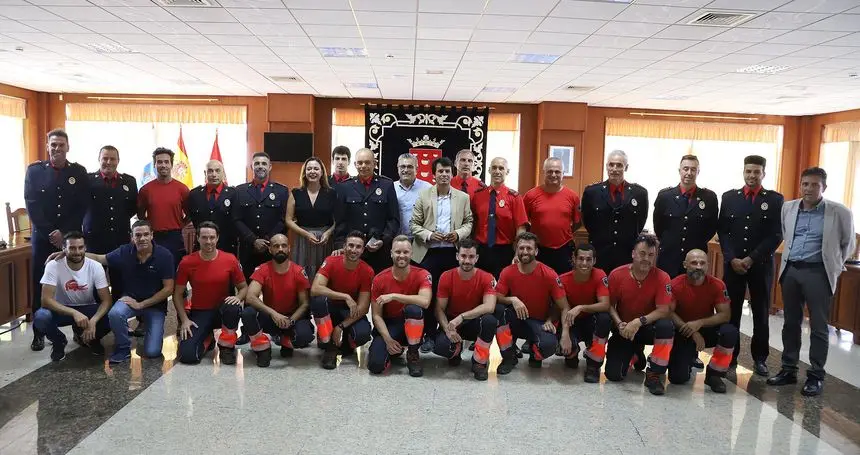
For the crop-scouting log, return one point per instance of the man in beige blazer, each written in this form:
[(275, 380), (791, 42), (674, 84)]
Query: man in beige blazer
[(819, 238), (441, 216)]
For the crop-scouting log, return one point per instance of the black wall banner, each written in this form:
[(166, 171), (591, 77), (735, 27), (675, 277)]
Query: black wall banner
[(427, 132)]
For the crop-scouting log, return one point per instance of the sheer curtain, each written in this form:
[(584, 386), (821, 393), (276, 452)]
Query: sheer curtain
[(137, 140), (840, 157), (654, 161), (13, 169)]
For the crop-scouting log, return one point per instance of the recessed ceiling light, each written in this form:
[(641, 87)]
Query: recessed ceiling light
[(435, 72), (362, 85), (192, 3), (343, 52), (284, 78), (670, 97), (110, 48), (389, 56), (762, 69), (499, 89), (578, 88), (543, 59)]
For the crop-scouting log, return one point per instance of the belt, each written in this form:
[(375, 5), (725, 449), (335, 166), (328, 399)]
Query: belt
[(805, 264)]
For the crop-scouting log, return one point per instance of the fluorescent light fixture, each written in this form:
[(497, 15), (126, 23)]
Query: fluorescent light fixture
[(671, 97), (362, 85), (541, 59), (343, 52), (109, 48), (499, 89), (762, 69), (700, 116)]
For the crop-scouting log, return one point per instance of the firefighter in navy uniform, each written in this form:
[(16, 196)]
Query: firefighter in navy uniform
[(685, 218), (215, 202), (368, 203), (750, 230), (56, 193), (614, 212), (112, 204)]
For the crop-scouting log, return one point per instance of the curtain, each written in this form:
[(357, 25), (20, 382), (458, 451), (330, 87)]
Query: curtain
[(13, 169), (348, 117), (662, 129), (504, 122), (156, 113), (13, 107), (841, 132)]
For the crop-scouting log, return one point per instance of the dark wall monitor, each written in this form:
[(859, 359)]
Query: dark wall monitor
[(289, 147)]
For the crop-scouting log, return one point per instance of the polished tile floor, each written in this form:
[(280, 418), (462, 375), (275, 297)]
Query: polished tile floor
[(83, 406)]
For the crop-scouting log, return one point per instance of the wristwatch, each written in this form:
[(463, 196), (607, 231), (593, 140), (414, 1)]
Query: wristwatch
[(340, 326), (643, 320)]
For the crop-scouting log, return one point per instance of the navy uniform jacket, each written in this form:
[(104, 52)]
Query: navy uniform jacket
[(683, 227), (223, 214), (260, 215), (107, 224), (56, 198), (373, 211), (750, 229), (614, 226)]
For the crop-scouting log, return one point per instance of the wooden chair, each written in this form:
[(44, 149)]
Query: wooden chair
[(18, 220)]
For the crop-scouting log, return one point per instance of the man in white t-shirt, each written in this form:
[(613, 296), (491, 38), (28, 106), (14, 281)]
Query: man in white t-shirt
[(68, 298)]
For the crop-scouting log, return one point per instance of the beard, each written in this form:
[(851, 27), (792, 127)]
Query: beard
[(526, 258), (280, 257), (75, 259), (695, 275)]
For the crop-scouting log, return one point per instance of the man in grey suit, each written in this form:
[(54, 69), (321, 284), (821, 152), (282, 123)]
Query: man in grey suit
[(819, 237), (441, 217)]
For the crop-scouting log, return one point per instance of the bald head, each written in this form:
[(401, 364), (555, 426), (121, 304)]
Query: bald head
[(498, 171), (364, 162), (279, 248), (696, 264), (214, 172)]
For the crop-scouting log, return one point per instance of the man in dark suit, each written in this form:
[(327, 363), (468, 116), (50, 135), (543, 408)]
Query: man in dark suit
[(112, 204), (368, 203), (215, 202), (614, 212), (685, 218), (56, 194), (750, 230)]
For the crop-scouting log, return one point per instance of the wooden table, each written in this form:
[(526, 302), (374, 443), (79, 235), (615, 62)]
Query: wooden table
[(16, 287)]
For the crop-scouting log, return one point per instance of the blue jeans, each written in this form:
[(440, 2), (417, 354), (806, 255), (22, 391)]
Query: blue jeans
[(153, 324), (48, 322)]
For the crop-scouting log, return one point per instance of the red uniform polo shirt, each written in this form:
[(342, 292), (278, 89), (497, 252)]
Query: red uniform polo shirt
[(510, 214), (341, 279), (552, 215), (537, 289), (281, 290), (472, 184), (163, 203), (385, 283), (211, 281), (698, 302), (634, 299), (464, 295), (586, 292)]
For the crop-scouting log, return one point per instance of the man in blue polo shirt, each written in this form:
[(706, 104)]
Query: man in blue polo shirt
[(147, 280)]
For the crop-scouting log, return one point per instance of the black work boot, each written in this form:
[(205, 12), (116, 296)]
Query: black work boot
[(654, 383), (480, 371), (228, 355), (592, 372), (413, 362), (714, 380), (38, 341), (329, 357), (264, 358), (509, 361)]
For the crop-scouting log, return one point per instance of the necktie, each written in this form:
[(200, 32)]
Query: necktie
[(491, 221), (464, 187), (213, 202), (685, 201)]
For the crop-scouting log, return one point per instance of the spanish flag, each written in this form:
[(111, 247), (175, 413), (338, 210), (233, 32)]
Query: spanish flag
[(181, 165)]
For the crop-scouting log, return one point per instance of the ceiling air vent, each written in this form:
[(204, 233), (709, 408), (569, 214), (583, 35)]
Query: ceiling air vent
[(286, 79), (721, 18), (192, 3)]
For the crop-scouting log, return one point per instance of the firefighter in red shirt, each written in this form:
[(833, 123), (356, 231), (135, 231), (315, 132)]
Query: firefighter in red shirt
[(283, 309), (587, 291), (340, 298), (212, 274), (524, 292), (640, 298), (701, 314), (399, 296), (465, 302)]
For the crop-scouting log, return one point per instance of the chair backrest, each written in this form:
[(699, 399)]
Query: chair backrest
[(18, 220)]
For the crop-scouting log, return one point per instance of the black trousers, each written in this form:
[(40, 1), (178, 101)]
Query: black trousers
[(436, 261), (173, 241), (41, 249), (380, 259), (558, 259), (759, 279), (494, 259), (722, 338), (610, 257), (620, 350)]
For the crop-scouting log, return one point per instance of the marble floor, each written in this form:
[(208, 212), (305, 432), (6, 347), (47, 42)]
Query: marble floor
[(82, 405)]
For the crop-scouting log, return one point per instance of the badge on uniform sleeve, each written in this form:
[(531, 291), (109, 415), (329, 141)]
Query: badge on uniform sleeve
[(322, 266), (272, 196), (668, 289), (502, 203), (634, 202), (558, 282), (606, 281), (764, 205), (379, 191), (493, 283), (702, 205), (72, 180), (304, 274), (125, 187), (430, 278), (226, 202)]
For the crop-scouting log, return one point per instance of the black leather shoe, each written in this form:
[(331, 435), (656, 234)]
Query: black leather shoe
[(783, 378), (38, 342), (761, 368), (812, 388), (697, 363)]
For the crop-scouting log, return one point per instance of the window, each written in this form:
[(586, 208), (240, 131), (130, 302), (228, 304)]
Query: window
[(12, 114), (840, 157), (347, 128), (654, 150)]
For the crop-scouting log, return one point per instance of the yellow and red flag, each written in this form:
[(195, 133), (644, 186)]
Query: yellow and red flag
[(216, 154), (181, 164)]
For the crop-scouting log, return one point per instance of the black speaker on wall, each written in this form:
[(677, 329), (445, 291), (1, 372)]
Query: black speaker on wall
[(289, 147)]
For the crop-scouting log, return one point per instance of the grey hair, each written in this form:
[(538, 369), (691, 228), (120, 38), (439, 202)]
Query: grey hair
[(408, 156), (551, 159), (620, 153), (469, 151)]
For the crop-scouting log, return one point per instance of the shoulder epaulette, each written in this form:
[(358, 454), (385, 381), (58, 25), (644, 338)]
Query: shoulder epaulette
[(36, 163), (483, 188), (668, 188), (382, 177), (514, 193)]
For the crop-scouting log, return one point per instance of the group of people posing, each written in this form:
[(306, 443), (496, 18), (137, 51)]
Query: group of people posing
[(435, 265)]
